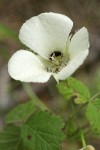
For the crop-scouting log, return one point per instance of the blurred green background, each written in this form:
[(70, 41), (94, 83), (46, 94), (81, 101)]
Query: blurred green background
[(13, 13)]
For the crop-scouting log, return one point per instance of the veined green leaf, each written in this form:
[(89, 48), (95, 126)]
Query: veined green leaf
[(20, 113), (43, 132), (10, 138), (72, 88), (93, 115)]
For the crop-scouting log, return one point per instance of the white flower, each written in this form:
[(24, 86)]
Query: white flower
[(55, 52), (88, 147)]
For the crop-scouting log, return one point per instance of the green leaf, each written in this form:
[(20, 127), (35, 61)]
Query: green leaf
[(93, 115), (10, 138), (20, 113), (43, 132), (70, 128), (72, 88)]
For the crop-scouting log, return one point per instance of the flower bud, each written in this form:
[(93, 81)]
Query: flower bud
[(88, 147)]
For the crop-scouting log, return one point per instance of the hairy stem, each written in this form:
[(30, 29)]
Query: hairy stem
[(33, 97)]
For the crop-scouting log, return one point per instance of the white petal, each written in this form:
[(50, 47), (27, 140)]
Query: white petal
[(56, 77), (25, 66), (73, 65), (88, 147), (79, 42), (46, 33)]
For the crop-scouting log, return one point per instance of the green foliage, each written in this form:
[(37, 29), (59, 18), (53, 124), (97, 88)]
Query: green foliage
[(20, 113), (72, 131), (10, 138), (93, 115), (72, 88), (6, 32), (70, 127), (42, 131)]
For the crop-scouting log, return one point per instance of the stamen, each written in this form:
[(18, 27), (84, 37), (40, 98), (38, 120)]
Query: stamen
[(55, 55), (57, 62)]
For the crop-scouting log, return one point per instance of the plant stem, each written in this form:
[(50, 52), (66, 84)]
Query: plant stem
[(93, 97), (82, 138), (33, 96)]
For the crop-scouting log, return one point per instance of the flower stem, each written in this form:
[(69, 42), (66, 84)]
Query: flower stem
[(96, 95), (33, 96), (82, 138)]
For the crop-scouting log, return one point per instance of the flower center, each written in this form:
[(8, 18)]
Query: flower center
[(56, 58), (57, 61), (55, 55)]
